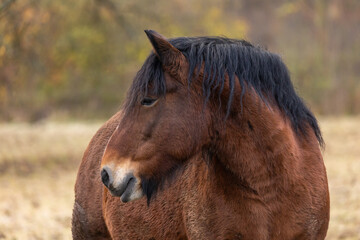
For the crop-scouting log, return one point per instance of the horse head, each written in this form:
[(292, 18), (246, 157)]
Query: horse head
[(161, 126)]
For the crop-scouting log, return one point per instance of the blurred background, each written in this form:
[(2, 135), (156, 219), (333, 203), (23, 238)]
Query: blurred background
[(65, 67)]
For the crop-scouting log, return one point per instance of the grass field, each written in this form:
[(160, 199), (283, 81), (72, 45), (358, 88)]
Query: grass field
[(38, 165)]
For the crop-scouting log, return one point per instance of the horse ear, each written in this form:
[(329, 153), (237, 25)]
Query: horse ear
[(171, 58)]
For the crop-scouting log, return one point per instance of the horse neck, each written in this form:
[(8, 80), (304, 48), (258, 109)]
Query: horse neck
[(258, 146)]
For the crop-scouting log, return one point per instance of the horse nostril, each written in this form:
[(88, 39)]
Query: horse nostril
[(105, 177)]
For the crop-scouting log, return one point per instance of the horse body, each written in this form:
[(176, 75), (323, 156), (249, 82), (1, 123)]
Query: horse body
[(252, 177), (87, 220)]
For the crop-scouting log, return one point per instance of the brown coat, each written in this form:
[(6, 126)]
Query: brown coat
[(252, 171)]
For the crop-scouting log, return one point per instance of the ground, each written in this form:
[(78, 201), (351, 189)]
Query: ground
[(38, 165)]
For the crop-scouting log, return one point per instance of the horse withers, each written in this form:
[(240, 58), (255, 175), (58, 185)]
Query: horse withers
[(212, 142)]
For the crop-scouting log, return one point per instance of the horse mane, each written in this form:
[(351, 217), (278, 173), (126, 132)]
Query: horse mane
[(264, 71)]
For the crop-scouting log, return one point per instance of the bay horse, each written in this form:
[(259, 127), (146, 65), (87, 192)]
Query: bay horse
[(212, 142)]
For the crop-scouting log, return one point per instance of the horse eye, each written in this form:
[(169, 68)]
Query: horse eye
[(148, 101)]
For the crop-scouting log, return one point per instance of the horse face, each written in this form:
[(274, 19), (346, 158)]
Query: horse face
[(155, 136)]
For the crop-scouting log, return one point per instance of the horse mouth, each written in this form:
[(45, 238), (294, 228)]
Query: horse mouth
[(128, 191), (121, 184), (123, 191)]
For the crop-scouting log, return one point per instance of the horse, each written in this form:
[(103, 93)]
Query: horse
[(212, 142)]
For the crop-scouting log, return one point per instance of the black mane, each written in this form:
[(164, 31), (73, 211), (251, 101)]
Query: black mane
[(263, 71)]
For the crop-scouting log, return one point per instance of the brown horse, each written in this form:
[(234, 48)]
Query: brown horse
[(212, 143)]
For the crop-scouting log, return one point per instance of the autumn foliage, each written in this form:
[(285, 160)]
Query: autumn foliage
[(75, 59)]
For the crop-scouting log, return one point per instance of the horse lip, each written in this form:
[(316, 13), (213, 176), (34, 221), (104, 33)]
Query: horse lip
[(125, 196), (125, 188), (115, 192)]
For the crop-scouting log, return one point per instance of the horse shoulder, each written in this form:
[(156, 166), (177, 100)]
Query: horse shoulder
[(87, 219)]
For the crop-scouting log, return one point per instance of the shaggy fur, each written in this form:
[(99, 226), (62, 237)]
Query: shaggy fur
[(251, 66), (257, 175)]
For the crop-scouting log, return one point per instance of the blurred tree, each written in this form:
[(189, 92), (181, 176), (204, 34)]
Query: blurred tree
[(77, 58)]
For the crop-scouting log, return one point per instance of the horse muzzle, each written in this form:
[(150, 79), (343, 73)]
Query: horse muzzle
[(121, 184)]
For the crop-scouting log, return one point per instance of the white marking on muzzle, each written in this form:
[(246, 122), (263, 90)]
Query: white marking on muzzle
[(119, 174)]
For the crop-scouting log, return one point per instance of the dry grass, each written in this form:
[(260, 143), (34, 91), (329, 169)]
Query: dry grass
[(342, 159), (38, 166)]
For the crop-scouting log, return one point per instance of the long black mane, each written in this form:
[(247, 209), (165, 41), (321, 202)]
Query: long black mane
[(265, 72)]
